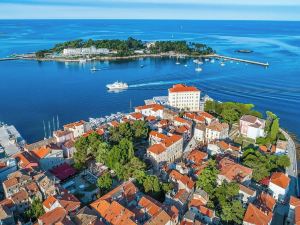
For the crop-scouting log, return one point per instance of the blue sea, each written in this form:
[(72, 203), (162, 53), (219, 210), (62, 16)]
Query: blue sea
[(32, 92)]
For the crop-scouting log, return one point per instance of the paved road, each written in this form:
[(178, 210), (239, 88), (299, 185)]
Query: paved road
[(293, 169), (281, 211)]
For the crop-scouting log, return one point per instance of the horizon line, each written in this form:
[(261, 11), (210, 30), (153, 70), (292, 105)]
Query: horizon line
[(257, 20)]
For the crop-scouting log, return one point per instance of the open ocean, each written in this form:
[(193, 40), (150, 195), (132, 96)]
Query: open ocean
[(31, 91)]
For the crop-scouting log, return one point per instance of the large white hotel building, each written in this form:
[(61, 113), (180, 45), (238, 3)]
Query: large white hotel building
[(184, 97)]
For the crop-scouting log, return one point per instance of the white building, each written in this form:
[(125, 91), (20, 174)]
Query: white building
[(77, 128), (85, 51), (199, 132), (252, 127), (48, 157), (216, 131), (184, 97), (213, 149), (7, 167), (281, 147), (155, 110), (62, 136), (279, 185), (164, 148)]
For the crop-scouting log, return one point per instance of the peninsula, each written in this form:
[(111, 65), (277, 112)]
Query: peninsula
[(189, 160)]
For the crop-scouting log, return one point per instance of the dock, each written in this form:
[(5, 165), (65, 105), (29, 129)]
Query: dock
[(7, 59), (242, 60)]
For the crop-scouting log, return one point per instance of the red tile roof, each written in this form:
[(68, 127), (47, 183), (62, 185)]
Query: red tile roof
[(41, 152), (266, 201), (197, 156), (206, 115), (294, 201), (136, 115), (280, 179), (114, 213), (55, 216), (233, 171), (256, 216), (157, 148), (75, 124), (26, 160), (183, 88)]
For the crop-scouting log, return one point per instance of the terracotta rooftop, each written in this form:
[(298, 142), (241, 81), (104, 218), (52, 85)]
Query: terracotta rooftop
[(247, 190), (55, 216), (114, 213), (294, 201), (266, 202), (197, 156), (255, 216), (217, 126), (280, 179), (181, 120), (136, 115), (10, 182), (233, 171), (41, 152), (75, 124), (157, 148), (25, 159), (249, 118), (61, 133), (20, 197), (154, 107), (183, 88), (206, 115)]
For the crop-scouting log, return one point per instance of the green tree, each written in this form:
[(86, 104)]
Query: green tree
[(230, 115), (102, 151), (140, 129), (230, 209), (36, 209), (207, 180), (274, 130), (104, 183)]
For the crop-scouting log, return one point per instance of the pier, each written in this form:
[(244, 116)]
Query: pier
[(241, 60), (7, 59)]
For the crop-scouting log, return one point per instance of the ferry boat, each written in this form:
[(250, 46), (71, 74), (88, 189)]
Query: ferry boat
[(117, 86)]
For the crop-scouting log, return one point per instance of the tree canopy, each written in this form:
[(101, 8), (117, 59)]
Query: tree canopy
[(36, 210), (230, 112), (207, 180), (264, 164)]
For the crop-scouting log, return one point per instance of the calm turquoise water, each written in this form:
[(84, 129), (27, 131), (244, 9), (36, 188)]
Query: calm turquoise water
[(32, 92)]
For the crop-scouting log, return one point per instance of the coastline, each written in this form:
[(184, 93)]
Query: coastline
[(106, 58)]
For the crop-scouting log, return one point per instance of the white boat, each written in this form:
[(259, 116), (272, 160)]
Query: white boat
[(82, 60), (185, 65), (117, 86), (195, 61), (222, 64), (212, 61), (206, 60), (199, 69)]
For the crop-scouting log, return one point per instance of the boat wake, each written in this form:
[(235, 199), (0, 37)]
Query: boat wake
[(159, 83)]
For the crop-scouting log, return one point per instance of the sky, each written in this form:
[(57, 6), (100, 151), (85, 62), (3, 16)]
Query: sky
[(151, 9)]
